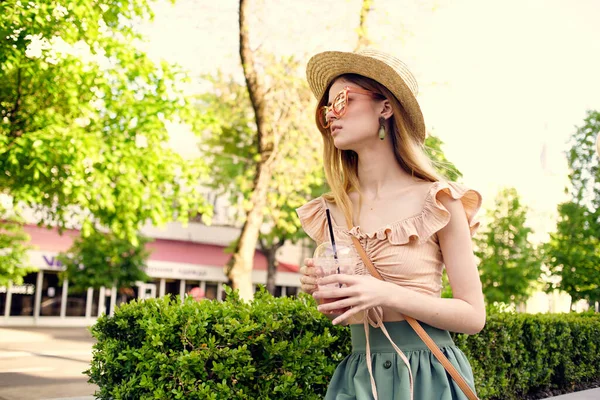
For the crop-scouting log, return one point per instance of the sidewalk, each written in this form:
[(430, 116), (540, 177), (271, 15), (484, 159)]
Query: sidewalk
[(44, 363), (590, 394), (47, 363)]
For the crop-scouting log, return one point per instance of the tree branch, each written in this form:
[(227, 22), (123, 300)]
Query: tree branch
[(14, 112), (255, 86)]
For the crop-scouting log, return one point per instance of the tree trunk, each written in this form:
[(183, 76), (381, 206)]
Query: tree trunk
[(270, 253), (239, 267), (271, 270)]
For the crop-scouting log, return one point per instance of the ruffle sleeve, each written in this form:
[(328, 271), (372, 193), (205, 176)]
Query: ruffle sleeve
[(314, 220), (437, 216)]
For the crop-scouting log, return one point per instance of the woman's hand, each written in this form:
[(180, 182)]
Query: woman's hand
[(308, 282), (359, 293), (308, 279)]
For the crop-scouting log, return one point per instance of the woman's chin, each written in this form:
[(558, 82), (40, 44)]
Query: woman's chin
[(341, 144)]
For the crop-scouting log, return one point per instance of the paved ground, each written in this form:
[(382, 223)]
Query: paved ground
[(44, 363), (592, 394), (47, 363)]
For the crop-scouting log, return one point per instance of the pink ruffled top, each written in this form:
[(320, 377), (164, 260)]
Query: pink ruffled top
[(405, 252)]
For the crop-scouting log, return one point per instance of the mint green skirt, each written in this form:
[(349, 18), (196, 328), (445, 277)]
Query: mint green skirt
[(351, 379)]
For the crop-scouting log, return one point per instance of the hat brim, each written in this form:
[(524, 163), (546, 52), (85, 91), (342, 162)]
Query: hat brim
[(324, 67)]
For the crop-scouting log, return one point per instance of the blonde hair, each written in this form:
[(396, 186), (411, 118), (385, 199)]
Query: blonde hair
[(341, 166)]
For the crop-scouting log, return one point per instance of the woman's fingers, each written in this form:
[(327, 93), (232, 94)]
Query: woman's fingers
[(308, 268), (339, 304), (308, 279), (344, 317)]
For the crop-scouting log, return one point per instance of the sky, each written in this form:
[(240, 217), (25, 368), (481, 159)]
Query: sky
[(503, 84)]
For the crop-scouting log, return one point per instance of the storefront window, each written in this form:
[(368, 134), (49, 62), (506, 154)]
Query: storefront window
[(291, 291), (125, 295), (3, 290), (210, 291), (51, 295), (189, 285), (23, 296), (172, 288), (76, 303), (278, 291)]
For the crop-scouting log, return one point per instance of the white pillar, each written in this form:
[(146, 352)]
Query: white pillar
[(113, 300), (182, 289), (219, 293), (88, 302), (38, 294), (8, 299), (63, 300), (162, 287), (102, 301)]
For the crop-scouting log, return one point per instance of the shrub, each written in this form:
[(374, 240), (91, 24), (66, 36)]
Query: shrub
[(272, 348), (283, 348)]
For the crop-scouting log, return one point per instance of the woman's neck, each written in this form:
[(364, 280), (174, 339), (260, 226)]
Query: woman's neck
[(379, 173)]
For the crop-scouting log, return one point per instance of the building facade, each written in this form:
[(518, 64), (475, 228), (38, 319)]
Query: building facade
[(181, 258)]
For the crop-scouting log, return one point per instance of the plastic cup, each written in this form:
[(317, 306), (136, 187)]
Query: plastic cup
[(326, 264)]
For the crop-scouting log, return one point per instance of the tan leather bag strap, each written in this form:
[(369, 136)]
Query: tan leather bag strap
[(421, 332)]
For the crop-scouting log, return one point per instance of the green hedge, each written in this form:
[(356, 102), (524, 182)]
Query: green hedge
[(283, 348)]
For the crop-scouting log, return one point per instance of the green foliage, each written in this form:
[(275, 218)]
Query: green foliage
[(231, 146), (83, 116), (272, 348), (433, 148), (283, 348), (102, 259), (13, 248), (519, 354), (573, 252), (509, 263)]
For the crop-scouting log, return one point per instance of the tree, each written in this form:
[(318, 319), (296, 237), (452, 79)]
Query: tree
[(230, 147), (13, 248), (573, 252), (102, 259), (267, 193), (433, 149), (268, 136), (83, 116), (509, 263)]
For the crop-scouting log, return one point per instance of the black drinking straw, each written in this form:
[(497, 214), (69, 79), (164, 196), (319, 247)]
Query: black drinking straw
[(335, 256)]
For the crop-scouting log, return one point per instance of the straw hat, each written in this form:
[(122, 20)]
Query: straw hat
[(392, 73)]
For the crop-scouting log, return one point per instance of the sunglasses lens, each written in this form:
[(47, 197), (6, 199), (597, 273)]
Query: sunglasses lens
[(322, 116), (339, 103)]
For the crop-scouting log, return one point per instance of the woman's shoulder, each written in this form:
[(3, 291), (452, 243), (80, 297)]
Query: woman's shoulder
[(441, 194)]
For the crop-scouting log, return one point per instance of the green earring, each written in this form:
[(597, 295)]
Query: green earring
[(381, 128)]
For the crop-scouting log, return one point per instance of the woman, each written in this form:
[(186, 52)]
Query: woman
[(410, 222)]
